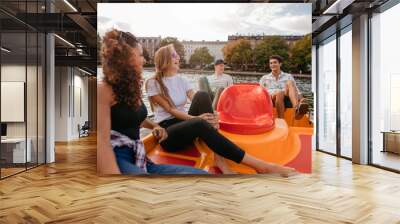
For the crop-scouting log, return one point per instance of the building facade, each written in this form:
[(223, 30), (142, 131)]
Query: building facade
[(256, 39), (214, 47), (151, 44)]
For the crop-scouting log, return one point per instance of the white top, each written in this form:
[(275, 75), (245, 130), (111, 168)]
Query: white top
[(220, 81), (273, 85), (177, 87)]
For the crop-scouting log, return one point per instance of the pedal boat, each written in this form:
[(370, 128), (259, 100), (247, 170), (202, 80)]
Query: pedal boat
[(248, 119)]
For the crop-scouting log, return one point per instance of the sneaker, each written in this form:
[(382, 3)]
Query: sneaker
[(301, 110)]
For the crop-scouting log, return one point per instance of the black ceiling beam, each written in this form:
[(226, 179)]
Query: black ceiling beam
[(85, 26), (61, 22), (91, 5), (77, 61), (90, 70), (8, 24), (18, 22), (63, 51), (49, 22)]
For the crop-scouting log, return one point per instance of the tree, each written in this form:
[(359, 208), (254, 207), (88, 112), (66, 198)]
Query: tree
[(301, 54), (177, 45), (146, 55), (238, 53), (270, 46), (201, 56)]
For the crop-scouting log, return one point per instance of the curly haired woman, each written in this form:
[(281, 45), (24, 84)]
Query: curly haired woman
[(121, 111)]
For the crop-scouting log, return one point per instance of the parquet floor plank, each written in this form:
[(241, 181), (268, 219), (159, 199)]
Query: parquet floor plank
[(69, 191)]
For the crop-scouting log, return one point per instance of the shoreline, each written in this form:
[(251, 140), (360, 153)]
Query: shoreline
[(233, 73)]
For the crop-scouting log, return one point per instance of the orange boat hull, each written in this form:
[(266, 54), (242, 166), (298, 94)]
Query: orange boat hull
[(286, 144)]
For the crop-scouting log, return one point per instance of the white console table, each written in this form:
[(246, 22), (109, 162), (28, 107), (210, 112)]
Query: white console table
[(17, 147)]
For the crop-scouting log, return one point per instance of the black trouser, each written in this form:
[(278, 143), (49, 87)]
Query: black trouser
[(182, 133), (205, 86)]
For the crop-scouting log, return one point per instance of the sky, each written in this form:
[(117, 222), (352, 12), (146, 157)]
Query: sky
[(200, 21)]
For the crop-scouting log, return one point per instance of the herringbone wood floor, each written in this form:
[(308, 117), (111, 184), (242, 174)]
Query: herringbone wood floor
[(69, 191)]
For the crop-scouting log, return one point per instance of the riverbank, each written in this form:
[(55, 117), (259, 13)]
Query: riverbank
[(233, 73)]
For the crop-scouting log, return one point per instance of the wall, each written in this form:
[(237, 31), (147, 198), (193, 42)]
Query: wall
[(17, 73), (33, 127), (80, 102), (61, 103), (12, 73), (92, 89), (214, 48), (71, 102)]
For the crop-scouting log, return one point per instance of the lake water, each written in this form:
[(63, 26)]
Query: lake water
[(304, 85)]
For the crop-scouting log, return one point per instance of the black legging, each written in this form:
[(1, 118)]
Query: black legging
[(182, 133)]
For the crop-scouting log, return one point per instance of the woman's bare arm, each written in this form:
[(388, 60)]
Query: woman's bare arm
[(106, 161), (190, 94), (147, 123)]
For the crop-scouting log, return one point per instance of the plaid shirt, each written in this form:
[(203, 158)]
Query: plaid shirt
[(119, 140)]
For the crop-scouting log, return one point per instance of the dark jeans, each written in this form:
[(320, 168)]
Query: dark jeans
[(286, 101), (182, 133), (124, 156)]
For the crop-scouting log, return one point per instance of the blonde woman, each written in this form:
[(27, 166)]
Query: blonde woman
[(121, 112), (169, 92)]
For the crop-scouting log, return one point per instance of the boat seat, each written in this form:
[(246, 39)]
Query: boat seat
[(190, 156), (214, 170), (245, 109), (189, 151)]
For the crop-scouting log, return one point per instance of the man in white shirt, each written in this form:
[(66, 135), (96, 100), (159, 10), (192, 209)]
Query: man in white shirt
[(219, 79), (283, 90), (214, 84)]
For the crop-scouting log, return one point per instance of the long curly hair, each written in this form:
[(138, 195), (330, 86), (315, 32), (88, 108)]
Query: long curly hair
[(162, 61), (116, 51)]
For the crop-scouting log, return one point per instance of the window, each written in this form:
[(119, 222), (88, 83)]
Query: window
[(327, 95), (385, 88), (346, 92), (14, 151), (22, 79)]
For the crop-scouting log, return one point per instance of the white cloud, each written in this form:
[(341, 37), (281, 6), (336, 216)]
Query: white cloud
[(295, 24), (199, 21)]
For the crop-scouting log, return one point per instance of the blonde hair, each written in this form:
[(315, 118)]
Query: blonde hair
[(162, 61)]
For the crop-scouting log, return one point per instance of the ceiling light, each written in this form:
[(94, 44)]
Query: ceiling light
[(64, 40), (338, 6), (70, 5), (5, 50), (86, 72)]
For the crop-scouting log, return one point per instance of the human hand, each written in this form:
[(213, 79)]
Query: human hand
[(211, 119), (216, 117), (160, 133)]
